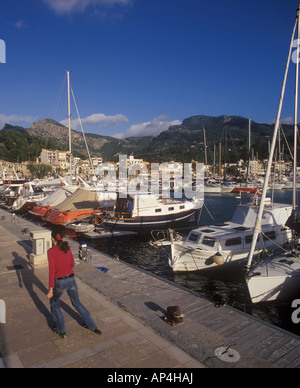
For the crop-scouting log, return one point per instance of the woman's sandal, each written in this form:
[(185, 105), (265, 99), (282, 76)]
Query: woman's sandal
[(61, 335), (96, 331)]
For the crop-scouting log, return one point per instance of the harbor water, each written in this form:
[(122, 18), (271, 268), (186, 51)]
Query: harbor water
[(223, 285)]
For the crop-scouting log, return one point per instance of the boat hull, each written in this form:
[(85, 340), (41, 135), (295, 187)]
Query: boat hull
[(275, 279), (186, 257), (28, 206), (39, 211), (185, 260), (250, 190), (273, 288), (149, 223), (64, 218)]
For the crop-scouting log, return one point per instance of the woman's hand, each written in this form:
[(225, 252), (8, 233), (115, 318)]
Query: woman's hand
[(50, 294)]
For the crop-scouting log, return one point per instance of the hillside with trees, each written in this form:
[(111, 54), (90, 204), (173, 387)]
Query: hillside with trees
[(181, 143)]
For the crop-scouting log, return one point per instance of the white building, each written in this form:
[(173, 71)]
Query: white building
[(53, 157)]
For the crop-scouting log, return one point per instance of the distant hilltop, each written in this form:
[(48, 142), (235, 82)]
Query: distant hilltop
[(181, 143)]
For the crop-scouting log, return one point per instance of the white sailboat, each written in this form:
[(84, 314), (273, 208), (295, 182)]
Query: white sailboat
[(278, 277)]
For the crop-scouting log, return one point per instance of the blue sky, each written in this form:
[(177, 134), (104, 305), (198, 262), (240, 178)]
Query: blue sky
[(138, 66)]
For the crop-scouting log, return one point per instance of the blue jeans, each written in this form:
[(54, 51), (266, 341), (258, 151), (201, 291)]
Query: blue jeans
[(68, 285)]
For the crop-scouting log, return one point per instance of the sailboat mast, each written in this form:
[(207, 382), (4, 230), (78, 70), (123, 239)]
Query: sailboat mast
[(205, 152), (249, 136), (70, 131), (257, 228), (249, 150), (296, 118)]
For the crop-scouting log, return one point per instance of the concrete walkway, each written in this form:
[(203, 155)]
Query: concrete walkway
[(26, 340)]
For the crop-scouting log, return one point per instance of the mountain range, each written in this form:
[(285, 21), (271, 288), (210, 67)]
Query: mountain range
[(181, 143)]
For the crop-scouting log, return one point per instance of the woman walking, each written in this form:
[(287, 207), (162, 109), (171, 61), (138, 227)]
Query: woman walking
[(61, 280)]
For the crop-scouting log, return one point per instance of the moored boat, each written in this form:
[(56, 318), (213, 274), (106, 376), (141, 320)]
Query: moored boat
[(276, 278), (245, 188), (144, 212), (81, 227), (80, 206), (54, 199), (218, 245)]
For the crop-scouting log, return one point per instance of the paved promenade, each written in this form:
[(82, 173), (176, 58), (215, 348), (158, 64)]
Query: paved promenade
[(26, 340)]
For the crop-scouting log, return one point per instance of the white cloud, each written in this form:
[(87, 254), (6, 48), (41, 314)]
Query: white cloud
[(149, 128), (16, 119), (98, 119), (69, 6), (20, 24), (286, 120)]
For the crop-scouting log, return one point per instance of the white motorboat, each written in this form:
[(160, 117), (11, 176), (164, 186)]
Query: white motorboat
[(215, 245), (211, 186)]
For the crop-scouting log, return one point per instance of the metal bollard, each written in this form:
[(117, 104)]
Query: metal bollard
[(83, 252)]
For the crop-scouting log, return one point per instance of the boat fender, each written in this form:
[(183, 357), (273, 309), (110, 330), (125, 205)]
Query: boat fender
[(218, 259)]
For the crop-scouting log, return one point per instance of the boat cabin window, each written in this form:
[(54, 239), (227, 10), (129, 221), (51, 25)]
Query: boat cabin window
[(233, 241), (157, 210), (171, 209), (248, 239), (269, 235), (208, 231), (124, 205), (241, 228), (182, 207), (208, 241), (194, 237)]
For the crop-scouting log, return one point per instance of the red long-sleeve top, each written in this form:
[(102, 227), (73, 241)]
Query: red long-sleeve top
[(60, 264)]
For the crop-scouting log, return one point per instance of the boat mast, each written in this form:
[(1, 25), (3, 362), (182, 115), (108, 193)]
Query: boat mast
[(249, 150), (294, 213), (257, 228), (70, 131), (296, 117), (205, 152)]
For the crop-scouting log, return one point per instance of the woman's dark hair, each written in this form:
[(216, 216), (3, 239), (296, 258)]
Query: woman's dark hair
[(62, 245)]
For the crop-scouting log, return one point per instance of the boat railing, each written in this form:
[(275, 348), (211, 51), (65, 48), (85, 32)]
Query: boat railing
[(166, 237)]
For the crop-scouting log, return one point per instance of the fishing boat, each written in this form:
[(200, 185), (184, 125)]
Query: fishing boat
[(219, 245), (277, 278), (80, 206), (144, 212)]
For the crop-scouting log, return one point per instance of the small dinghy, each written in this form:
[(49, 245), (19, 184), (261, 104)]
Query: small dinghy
[(81, 227)]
